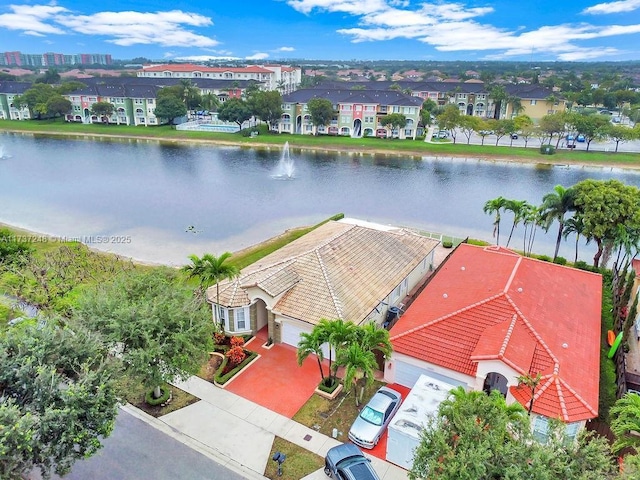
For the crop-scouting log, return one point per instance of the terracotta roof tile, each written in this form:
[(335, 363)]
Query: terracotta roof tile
[(537, 317), (338, 270)]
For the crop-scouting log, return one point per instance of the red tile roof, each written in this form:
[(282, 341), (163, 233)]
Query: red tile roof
[(537, 317), (189, 67)]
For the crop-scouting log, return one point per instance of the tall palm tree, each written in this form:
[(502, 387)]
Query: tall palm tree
[(494, 206), (625, 415), (372, 337), (340, 334), (518, 208), (311, 343), (533, 218), (555, 206), (574, 225), (211, 270), (359, 365)]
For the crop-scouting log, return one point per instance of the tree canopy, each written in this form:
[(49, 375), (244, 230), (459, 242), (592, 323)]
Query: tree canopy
[(321, 111), (267, 106), (170, 107), (476, 436), (57, 398), (235, 110), (154, 323)]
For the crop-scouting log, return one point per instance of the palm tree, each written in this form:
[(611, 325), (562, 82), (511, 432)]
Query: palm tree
[(359, 365), (554, 207), (574, 225), (311, 343), (531, 216), (518, 208), (373, 338), (339, 333), (494, 206), (211, 270), (625, 423), (531, 382)]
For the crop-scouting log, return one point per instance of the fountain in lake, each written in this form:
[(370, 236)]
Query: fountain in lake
[(285, 168)]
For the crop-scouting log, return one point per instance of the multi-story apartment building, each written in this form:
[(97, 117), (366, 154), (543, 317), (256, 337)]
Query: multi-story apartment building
[(8, 110), (51, 59), (286, 79), (357, 112)]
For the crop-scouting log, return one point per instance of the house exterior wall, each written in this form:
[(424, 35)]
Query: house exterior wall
[(390, 369), (488, 366)]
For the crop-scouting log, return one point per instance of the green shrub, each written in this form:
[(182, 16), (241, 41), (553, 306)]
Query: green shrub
[(328, 385), (165, 391), (222, 379), (5, 311), (544, 258), (447, 244), (480, 243), (582, 265), (560, 261), (547, 149)]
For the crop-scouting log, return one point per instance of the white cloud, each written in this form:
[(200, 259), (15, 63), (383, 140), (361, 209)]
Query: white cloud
[(168, 29), (455, 27), (32, 19), (286, 49), (257, 56), (613, 7)]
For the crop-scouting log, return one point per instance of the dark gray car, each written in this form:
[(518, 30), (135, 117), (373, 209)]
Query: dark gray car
[(346, 462)]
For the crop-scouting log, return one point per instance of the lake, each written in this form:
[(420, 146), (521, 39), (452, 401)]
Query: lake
[(160, 202)]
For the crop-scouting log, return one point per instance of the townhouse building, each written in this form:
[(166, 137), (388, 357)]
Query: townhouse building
[(8, 91), (357, 112), (285, 79)]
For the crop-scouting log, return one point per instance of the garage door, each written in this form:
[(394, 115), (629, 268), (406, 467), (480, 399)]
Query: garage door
[(408, 374), (291, 335)]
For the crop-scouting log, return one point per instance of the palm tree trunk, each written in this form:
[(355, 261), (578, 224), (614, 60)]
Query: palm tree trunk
[(555, 254), (156, 392), (577, 239), (596, 257), (320, 366), (218, 306), (511, 233)]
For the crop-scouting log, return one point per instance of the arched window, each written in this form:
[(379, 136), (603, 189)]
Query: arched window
[(495, 381)]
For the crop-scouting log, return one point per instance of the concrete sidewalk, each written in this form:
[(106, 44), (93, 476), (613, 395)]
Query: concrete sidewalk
[(239, 434)]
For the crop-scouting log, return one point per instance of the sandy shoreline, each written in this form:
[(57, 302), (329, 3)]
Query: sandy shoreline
[(547, 160)]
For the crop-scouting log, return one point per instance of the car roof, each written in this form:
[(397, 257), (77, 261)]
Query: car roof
[(383, 398), (346, 450)]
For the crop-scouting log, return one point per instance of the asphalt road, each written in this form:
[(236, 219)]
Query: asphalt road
[(137, 451)]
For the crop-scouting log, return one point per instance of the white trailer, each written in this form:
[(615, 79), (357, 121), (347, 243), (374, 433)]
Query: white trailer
[(405, 427)]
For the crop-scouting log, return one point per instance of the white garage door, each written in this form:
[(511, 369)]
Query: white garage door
[(408, 374), (291, 333)]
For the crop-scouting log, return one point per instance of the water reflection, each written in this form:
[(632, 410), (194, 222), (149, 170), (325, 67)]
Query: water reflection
[(152, 191)]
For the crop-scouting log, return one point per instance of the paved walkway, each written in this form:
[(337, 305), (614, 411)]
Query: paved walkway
[(239, 433)]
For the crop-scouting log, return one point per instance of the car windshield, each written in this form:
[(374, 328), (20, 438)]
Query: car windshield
[(371, 415)]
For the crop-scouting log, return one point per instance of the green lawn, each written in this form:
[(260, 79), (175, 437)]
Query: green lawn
[(324, 415), (298, 464), (334, 143)]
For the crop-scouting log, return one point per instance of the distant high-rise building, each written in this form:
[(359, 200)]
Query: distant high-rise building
[(50, 59)]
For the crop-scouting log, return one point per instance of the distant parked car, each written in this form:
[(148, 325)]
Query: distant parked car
[(374, 418), (570, 138), (346, 462), (581, 138), (486, 132), (440, 134), (514, 136)]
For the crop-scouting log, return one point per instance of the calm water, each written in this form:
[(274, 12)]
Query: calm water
[(160, 202)]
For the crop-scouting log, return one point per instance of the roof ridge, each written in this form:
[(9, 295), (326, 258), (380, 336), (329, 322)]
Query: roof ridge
[(507, 337), (535, 334), (563, 404), (578, 396), (513, 274), (444, 317), (335, 300)]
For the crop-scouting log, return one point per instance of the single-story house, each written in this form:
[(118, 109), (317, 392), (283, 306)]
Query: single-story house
[(347, 269), (490, 315)]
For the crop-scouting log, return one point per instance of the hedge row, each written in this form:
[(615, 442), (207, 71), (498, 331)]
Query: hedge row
[(222, 379)]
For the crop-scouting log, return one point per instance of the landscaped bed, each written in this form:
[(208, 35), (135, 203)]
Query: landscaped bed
[(324, 415), (228, 359), (179, 399)]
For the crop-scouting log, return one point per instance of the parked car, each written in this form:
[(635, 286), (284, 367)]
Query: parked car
[(570, 138), (580, 138), (440, 134), (514, 136), (374, 418), (486, 132), (346, 462)]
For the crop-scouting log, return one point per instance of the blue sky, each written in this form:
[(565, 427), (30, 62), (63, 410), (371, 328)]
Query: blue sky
[(270, 30)]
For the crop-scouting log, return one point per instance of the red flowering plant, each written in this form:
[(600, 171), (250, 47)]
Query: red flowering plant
[(237, 342), (236, 355), (219, 338)]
